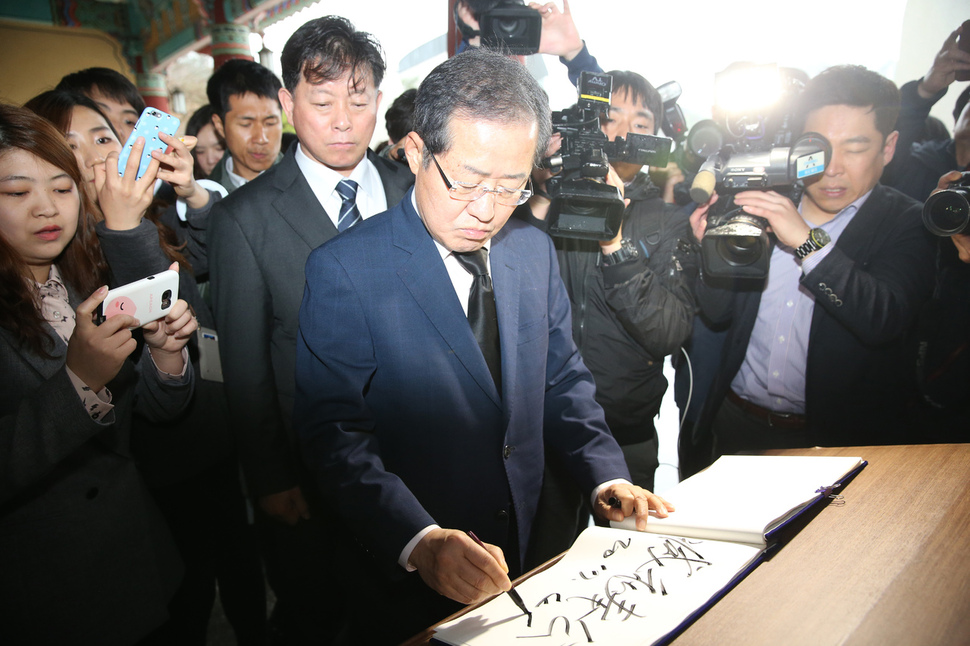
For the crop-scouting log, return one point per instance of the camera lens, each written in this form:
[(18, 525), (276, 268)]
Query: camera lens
[(585, 209), (166, 299), (739, 251), (705, 139), (511, 27), (947, 213)]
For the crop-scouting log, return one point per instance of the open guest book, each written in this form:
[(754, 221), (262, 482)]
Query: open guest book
[(619, 586)]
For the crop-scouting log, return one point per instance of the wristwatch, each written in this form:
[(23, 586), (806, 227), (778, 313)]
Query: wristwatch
[(626, 252), (817, 238)]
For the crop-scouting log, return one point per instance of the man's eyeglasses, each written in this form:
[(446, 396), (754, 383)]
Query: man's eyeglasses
[(472, 192)]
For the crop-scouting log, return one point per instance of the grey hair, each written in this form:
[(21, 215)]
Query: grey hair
[(481, 85)]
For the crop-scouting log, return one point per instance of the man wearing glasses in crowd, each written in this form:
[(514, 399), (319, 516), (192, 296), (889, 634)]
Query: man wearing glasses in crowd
[(435, 363)]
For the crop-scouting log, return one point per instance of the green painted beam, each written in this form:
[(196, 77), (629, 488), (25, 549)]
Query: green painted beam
[(37, 10)]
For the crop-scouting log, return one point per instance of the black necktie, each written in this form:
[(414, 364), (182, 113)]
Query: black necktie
[(482, 315), (349, 215)]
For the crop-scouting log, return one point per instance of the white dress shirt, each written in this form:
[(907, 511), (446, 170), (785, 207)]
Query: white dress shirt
[(371, 199)]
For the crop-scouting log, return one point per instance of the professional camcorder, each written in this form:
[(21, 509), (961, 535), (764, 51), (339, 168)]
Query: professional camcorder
[(736, 243), (509, 27), (755, 150), (583, 205), (947, 213)]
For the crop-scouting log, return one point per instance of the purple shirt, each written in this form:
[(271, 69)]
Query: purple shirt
[(773, 373)]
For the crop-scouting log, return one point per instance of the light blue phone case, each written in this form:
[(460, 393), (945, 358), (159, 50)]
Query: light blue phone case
[(150, 123)]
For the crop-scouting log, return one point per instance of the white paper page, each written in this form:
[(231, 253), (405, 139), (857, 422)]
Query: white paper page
[(740, 496), (612, 587)]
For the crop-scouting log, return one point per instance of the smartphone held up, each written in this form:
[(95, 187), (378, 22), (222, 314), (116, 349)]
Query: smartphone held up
[(147, 300), (151, 122)]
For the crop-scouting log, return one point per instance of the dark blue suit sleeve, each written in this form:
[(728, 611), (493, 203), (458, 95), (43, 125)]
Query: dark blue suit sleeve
[(335, 362)]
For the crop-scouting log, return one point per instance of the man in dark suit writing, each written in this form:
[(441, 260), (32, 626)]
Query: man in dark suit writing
[(435, 362), (259, 240)]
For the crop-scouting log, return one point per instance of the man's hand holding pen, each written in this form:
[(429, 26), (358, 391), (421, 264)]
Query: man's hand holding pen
[(461, 567), (453, 564), (623, 499)]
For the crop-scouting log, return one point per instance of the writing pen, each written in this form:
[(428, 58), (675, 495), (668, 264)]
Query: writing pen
[(512, 592)]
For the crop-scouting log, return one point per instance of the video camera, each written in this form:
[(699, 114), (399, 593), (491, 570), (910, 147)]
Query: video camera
[(583, 205), (509, 27), (947, 213), (756, 150)]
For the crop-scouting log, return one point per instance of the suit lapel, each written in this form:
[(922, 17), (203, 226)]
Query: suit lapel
[(864, 227), (46, 368), (297, 204), (111, 437), (300, 208), (425, 277)]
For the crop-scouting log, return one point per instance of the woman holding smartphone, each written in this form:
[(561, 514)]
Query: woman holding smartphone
[(190, 465), (84, 552), (124, 203)]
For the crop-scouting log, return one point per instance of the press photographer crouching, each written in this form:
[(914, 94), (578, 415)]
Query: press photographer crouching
[(631, 293), (816, 351)]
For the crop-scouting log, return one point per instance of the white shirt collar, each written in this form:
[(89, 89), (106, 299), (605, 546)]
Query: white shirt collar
[(237, 180), (323, 180)]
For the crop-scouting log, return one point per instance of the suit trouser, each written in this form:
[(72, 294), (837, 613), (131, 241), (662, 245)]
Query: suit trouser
[(206, 514), (300, 568)]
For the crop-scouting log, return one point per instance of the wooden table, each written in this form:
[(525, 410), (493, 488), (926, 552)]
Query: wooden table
[(890, 566)]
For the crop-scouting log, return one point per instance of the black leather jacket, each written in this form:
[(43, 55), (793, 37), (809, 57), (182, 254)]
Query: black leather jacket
[(628, 317)]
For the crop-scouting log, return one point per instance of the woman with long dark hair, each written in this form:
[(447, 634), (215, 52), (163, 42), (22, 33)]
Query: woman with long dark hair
[(124, 203), (190, 464), (84, 552)]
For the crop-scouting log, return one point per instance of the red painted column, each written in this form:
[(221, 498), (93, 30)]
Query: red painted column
[(229, 41), (151, 87)]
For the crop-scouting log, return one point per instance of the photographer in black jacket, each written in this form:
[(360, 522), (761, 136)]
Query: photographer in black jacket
[(632, 297)]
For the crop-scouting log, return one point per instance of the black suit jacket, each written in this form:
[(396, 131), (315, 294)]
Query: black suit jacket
[(259, 239), (85, 557), (867, 292)]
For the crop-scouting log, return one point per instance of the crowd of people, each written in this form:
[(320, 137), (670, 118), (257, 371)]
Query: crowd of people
[(388, 378)]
